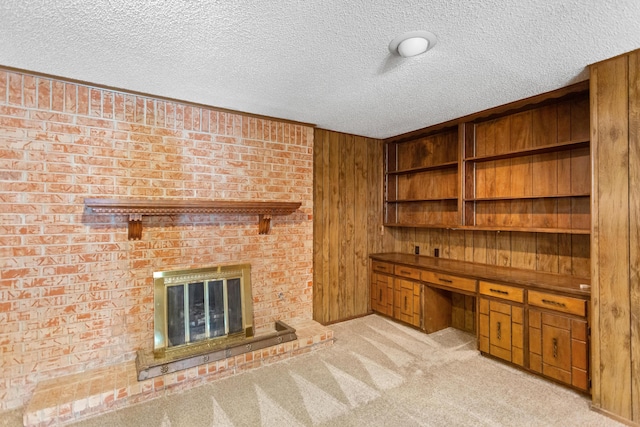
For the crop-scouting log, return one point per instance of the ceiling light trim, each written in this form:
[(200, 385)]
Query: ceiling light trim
[(415, 49)]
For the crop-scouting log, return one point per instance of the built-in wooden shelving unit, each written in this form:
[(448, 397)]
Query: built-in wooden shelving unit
[(137, 208), (526, 169)]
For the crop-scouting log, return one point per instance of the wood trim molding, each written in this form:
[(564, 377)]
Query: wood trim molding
[(137, 208)]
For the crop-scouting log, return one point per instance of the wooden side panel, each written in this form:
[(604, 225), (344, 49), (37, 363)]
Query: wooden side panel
[(320, 225), (348, 176), (610, 238), (437, 309), (334, 227), (374, 189), (634, 230), (457, 310), (346, 223), (360, 225)]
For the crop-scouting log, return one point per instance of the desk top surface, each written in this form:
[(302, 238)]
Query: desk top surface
[(552, 282)]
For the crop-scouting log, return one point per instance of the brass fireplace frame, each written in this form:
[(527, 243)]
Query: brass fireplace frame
[(162, 279)]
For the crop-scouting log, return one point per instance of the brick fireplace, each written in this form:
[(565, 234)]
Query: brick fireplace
[(75, 293)]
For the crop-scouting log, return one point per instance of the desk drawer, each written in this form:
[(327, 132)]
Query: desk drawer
[(382, 267), (408, 272), (461, 283), (558, 303), (510, 293)]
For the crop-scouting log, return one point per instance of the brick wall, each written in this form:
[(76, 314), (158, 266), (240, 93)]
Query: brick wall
[(74, 292)]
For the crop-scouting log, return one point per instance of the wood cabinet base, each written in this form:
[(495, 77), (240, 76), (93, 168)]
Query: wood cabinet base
[(521, 320)]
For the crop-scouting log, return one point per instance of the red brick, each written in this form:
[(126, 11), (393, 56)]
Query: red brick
[(90, 285), (44, 93), (3, 86)]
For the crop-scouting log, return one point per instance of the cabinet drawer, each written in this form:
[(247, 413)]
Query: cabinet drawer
[(558, 303), (382, 267), (408, 272), (502, 291), (461, 283)]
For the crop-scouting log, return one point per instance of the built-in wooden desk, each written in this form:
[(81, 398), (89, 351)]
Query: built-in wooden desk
[(536, 320)]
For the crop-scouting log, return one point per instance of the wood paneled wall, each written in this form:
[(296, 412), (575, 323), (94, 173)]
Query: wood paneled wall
[(615, 293), (347, 213), (348, 205), (551, 252)]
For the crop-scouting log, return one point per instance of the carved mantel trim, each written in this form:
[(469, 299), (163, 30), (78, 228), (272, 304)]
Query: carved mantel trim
[(137, 208)]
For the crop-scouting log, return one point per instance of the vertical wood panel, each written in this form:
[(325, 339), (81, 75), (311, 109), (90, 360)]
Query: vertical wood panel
[(326, 215), (634, 232), (375, 190), (547, 252), (580, 255), (318, 226), (361, 252), (348, 172), (456, 244), (348, 203), (610, 239), (595, 253), (503, 247), (565, 254), (335, 209), (480, 247), (523, 250)]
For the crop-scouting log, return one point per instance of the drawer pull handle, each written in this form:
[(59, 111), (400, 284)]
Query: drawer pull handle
[(498, 291), (405, 272), (499, 331), (446, 280), (405, 303), (554, 303), (555, 348)]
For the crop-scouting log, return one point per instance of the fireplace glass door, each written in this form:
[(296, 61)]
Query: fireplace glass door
[(213, 309), (193, 307)]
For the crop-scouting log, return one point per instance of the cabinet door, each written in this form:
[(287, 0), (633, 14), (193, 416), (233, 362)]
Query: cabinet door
[(500, 334), (556, 351), (500, 330), (407, 301), (382, 293), (558, 347)]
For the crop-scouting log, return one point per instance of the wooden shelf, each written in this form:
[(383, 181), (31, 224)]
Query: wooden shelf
[(496, 228), (413, 225), (435, 199), (548, 196), (425, 168), (524, 229), (136, 208), (568, 145)]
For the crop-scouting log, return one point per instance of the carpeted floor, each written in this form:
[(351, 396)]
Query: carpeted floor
[(378, 373)]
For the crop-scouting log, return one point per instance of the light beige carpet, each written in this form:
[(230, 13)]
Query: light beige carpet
[(378, 373)]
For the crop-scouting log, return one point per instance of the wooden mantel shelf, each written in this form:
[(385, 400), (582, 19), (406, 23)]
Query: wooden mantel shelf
[(136, 208)]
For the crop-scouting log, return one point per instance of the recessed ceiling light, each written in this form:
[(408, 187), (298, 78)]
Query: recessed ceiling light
[(413, 43)]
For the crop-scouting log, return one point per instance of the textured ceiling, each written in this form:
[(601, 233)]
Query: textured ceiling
[(321, 62)]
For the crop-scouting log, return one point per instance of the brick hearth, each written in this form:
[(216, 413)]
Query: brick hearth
[(75, 397)]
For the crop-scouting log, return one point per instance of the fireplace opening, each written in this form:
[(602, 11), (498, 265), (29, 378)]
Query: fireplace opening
[(201, 306), (201, 316)]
